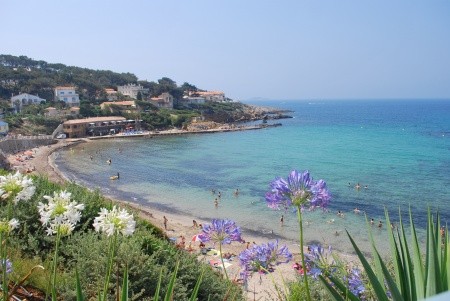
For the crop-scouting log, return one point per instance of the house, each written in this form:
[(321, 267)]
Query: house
[(111, 94), (4, 128), (132, 90), (213, 96), (24, 99), (165, 100), (96, 126), (128, 106), (54, 112), (187, 100), (68, 95)]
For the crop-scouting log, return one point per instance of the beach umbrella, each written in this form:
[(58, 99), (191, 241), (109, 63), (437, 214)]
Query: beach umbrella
[(196, 238)]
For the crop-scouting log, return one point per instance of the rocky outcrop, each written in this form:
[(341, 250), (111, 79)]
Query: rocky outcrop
[(244, 112)]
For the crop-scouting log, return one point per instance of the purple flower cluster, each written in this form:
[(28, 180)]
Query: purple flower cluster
[(221, 231), (355, 284), (263, 257), (318, 262), (299, 190), (8, 265)]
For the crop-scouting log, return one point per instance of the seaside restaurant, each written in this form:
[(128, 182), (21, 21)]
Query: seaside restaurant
[(95, 126)]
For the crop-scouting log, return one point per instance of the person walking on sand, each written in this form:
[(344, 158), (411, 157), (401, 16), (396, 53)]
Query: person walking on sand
[(165, 222)]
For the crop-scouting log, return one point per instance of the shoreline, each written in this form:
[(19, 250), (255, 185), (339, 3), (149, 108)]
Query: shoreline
[(259, 287)]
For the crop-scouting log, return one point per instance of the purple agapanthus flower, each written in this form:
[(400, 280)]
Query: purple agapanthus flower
[(221, 231), (355, 284), (299, 190), (263, 256), (8, 265)]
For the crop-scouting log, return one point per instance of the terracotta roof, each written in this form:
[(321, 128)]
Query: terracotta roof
[(95, 119)]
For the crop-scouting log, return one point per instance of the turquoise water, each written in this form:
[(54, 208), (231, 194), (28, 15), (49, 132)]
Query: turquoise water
[(399, 149)]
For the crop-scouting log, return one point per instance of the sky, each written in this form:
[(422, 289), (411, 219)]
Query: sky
[(249, 49)]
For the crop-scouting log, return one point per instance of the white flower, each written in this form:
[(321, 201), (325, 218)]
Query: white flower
[(13, 224), (18, 186), (8, 226), (114, 221), (65, 228), (59, 211)]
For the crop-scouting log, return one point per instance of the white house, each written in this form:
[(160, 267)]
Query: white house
[(24, 99), (132, 90), (213, 96), (68, 95), (4, 128), (187, 100)]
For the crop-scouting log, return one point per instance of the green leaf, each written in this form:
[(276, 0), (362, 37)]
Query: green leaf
[(334, 294), (124, 295), (158, 286), (170, 288), (409, 291), (395, 293), (197, 286), (378, 270), (433, 280), (343, 288), (377, 286), (394, 252), (419, 274), (78, 286)]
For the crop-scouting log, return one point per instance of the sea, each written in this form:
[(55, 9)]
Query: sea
[(397, 150)]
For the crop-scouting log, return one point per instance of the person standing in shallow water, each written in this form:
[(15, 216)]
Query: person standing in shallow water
[(282, 220)]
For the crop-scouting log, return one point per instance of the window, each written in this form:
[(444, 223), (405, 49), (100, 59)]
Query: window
[(65, 98), (61, 92), (70, 92)]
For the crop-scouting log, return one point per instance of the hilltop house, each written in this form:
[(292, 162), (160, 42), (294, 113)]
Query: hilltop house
[(68, 95), (212, 96), (24, 99), (165, 100), (54, 112), (111, 94), (187, 100), (132, 90)]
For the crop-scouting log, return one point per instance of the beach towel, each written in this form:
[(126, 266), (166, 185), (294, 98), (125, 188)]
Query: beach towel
[(213, 252)]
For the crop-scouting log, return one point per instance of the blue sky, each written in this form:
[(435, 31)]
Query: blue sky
[(246, 48)]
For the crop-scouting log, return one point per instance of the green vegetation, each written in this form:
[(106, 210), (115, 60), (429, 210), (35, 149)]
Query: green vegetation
[(144, 255)]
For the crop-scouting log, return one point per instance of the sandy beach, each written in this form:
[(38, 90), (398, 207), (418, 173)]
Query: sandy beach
[(260, 287)]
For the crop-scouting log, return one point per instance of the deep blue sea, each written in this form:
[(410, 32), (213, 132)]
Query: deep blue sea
[(400, 149)]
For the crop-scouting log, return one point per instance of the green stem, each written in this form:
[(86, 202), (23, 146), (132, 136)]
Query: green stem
[(273, 281), (4, 276), (221, 259), (55, 264), (112, 249), (305, 276)]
